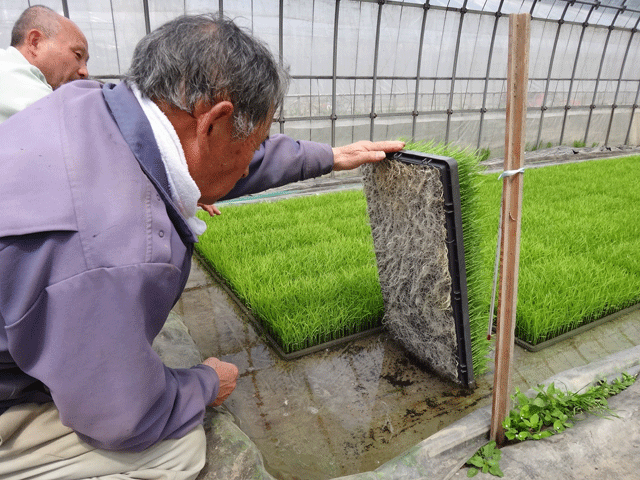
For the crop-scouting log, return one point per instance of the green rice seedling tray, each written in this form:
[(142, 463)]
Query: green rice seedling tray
[(572, 333), (262, 330), (425, 311)]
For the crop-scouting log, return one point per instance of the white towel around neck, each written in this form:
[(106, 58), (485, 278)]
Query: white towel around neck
[(184, 191)]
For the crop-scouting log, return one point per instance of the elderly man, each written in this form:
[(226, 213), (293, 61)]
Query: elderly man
[(97, 224), (47, 50)]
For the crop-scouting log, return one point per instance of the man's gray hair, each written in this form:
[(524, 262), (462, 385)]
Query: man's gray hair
[(39, 17), (207, 58)]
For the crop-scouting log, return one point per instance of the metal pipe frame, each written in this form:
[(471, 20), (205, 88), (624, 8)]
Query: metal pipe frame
[(615, 96), (595, 89), (633, 111), (567, 105), (115, 37), (281, 118), (463, 10), (543, 107), (483, 110), (147, 16), (419, 79), (334, 77), (373, 113), (416, 100)]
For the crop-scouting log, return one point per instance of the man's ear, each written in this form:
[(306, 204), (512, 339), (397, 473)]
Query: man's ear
[(209, 119), (32, 40)]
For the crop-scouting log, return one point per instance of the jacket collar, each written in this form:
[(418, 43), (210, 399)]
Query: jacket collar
[(136, 131)]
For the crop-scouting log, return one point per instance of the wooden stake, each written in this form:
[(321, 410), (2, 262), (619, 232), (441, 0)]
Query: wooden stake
[(517, 80)]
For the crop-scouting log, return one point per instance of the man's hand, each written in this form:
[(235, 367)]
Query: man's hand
[(210, 209), (353, 155), (228, 375)]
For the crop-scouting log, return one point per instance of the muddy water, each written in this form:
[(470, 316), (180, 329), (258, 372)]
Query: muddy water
[(333, 413)]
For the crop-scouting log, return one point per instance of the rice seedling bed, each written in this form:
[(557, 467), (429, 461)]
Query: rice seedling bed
[(310, 260), (580, 244), (304, 267)]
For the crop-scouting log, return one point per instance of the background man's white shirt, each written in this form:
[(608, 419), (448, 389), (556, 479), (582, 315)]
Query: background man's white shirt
[(21, 83)]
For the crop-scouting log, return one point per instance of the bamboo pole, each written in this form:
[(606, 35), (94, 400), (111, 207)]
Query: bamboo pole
[(517, 80)]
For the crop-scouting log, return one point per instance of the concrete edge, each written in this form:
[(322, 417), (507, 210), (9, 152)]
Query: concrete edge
[(608, 368)]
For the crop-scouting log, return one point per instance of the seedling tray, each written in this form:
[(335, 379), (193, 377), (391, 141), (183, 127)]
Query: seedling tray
[(576, 331), (448, 169), (266, 334)]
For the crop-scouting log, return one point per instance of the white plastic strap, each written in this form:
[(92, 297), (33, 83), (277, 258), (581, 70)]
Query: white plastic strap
[(510, 173)]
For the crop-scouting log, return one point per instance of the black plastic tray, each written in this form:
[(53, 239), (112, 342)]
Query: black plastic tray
[(448, 168)]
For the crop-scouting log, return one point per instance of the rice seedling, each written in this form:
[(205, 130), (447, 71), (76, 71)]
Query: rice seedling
[(307, 270), (304, 266), (580, 244)]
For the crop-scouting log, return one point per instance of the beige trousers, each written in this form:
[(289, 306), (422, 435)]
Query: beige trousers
[(35, 445)]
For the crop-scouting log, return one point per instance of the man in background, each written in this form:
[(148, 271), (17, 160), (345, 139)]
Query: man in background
[(47, 50)]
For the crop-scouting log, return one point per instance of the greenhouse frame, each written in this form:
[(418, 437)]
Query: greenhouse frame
[(434, 70)]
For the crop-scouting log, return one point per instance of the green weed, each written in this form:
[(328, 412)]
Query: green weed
[(551, 411), (532, 147), (486, 460)]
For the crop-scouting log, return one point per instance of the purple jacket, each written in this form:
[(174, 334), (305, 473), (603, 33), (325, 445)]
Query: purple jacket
[(93, 256)]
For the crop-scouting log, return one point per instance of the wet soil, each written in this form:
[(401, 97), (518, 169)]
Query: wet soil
[(336, 412)]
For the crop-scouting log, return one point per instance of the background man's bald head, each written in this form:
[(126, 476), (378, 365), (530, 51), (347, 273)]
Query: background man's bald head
[(39, 17), (52, 43)]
